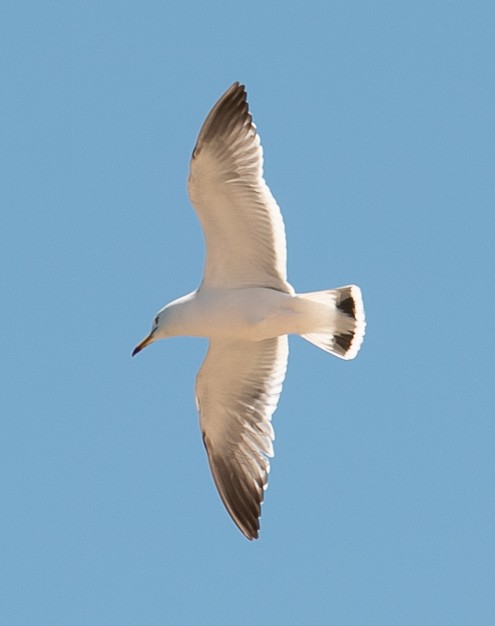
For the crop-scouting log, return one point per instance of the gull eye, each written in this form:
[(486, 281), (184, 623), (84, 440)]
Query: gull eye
[(155, 321)]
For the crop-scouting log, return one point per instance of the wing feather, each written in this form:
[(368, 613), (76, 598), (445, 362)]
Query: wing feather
[(242, 223), (237, 390)]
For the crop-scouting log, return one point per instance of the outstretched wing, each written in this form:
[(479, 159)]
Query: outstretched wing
[(237, 391), (242, 223)]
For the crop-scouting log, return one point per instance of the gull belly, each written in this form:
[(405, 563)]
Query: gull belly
[(251, 314)]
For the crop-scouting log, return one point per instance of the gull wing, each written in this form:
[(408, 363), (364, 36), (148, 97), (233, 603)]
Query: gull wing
[(237, 391), (242, 223)]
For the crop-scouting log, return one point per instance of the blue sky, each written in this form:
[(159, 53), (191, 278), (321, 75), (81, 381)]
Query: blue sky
[(377, 121)]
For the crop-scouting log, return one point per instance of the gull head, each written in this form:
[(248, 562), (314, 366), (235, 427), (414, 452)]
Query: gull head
[(169, 321), (158, 331)]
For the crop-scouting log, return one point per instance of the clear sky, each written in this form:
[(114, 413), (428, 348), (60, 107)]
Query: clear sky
[(377, 121)]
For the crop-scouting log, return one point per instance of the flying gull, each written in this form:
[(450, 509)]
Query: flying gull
[(246, 308)]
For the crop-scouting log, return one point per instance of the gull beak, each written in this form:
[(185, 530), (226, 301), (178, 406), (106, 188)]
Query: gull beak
[(143, 344)]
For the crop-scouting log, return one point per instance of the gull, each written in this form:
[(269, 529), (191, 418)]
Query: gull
[(246, 308)]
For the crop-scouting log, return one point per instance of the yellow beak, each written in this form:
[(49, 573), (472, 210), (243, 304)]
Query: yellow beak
[(143, 344)]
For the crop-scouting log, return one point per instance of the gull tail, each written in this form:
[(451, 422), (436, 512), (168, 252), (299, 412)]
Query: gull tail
[(344, 333)]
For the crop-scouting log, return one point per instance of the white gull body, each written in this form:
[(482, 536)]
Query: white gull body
[(246, 308)]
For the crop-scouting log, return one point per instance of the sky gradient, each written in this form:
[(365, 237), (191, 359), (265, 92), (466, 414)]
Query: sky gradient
[(377, 122)]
